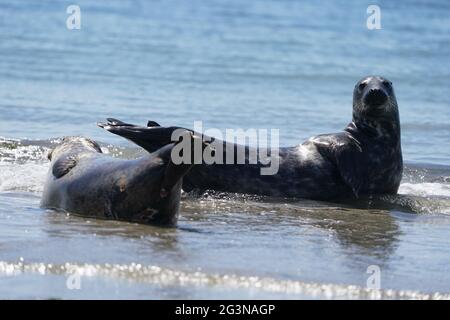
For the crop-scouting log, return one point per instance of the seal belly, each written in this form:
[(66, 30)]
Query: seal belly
[(303, 173), (88, 188), (310, 174)]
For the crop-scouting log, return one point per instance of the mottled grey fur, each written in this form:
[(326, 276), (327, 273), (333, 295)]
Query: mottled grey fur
[(364, 159), (85, 181)]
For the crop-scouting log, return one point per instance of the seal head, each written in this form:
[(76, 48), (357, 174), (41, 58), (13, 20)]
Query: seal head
[(375, 106), (378, 168)]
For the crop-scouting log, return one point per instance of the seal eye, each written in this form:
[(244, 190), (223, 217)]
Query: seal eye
[(387, 83), (362, 85)]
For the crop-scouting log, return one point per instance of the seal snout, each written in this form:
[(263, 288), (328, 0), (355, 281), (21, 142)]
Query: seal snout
[(375, 97)]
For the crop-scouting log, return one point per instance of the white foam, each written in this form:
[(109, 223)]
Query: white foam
[(425, 189), (28, 177), (14, 152)]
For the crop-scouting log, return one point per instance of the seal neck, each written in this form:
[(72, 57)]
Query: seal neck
[(384, 129)]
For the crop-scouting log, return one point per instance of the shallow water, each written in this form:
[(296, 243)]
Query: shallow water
[(260, 64)]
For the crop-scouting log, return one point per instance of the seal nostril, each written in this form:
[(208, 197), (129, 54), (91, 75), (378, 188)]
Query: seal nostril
[(375, 97)]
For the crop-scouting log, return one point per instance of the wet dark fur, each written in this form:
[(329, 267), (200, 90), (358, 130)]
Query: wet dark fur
[(85, 181), (364, 159)]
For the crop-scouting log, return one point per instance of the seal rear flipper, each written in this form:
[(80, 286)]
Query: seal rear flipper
[(117, 122), (151, 138), (151, 123), (63, 165)]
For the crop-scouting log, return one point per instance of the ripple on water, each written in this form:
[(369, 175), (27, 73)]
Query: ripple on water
[(170, 277)]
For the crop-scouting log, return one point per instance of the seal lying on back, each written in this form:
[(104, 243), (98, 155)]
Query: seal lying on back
[(364, 159), (85, 181)]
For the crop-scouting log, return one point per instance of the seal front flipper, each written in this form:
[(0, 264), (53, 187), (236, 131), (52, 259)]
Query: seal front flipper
[(172, 175), (352, 165), (63, 165), (174, 172), (178, 167), (171, 181)]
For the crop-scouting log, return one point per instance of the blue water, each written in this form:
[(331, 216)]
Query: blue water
[(283, 64)]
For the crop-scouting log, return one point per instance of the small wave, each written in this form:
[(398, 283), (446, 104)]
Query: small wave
[(24, 163), (18, 151), (421, 173), (425, 189), (426, 197), (170, 277), (29, 177)]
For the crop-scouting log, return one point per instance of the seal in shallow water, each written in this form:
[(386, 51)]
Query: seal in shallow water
[(85, 181), (364, 159)]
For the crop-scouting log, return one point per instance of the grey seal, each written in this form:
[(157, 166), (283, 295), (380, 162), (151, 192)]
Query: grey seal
[(364, 159), (85, 181)]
